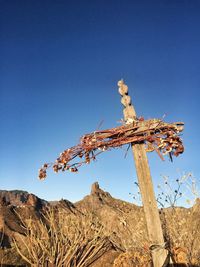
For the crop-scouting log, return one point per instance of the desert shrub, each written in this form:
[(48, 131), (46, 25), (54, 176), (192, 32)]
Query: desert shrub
[(182, 191), (180, 225), (61, 239)]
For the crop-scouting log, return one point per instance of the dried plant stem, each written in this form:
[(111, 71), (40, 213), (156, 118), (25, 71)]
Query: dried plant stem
[(61, 240)]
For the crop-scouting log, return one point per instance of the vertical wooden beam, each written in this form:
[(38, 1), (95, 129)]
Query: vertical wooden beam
[(145, 184)]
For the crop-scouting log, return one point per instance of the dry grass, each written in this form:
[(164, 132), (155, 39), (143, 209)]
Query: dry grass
[(61, 239)]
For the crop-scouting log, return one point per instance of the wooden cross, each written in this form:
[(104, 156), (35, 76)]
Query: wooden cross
[(145, 184), (156, 134)]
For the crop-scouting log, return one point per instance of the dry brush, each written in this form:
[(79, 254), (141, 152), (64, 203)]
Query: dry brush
[(60, 239)]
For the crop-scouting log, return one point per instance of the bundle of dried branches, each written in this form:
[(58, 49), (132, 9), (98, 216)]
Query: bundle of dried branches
[(155, 134)]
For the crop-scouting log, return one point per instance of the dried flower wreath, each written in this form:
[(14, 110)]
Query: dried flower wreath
[(164, 138)]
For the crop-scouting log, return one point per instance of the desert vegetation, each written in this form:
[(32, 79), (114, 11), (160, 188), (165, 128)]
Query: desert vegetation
[(180, 225), (101, 231), (59, 239)]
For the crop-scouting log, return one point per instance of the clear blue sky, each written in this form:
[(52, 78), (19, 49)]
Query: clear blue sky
[(59, 66)]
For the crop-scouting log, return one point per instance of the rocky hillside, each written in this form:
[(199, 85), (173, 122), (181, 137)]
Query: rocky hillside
[(123, 221), (20, 198)]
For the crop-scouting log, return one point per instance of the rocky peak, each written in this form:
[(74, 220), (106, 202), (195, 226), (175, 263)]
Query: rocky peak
[(98, 192), (95, 188)]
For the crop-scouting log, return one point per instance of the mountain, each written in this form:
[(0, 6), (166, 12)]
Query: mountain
[(20, 198), (124, 220)]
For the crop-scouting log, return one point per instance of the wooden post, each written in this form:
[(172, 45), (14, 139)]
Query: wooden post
[(145, 184)]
